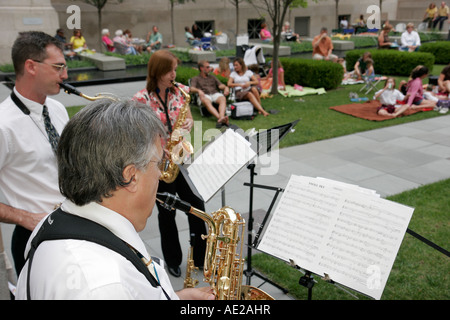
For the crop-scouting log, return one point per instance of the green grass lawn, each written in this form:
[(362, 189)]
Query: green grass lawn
[(419, 272)]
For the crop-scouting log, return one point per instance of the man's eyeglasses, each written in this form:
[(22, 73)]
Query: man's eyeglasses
[(161, 163), (59, 66)]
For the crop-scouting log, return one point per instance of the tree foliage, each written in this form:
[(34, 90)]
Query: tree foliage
[(276, 10)]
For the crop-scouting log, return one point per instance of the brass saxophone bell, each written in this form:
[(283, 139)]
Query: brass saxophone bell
[(223, 265)]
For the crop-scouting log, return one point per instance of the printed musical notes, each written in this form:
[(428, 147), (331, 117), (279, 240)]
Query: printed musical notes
[(219, 162), (347, 232)]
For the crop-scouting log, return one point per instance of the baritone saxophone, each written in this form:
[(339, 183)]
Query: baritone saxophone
[(223, 265), (178, 148)]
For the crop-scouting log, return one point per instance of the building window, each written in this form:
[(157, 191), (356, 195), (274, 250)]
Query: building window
[(205, 26), (253, 28)]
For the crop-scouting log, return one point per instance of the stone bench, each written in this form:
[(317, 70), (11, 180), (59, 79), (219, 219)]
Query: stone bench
[(104, 62), (197, 55), (342, 45), (283, 51)]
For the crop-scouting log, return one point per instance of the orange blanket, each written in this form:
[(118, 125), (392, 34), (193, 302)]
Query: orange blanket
[(368, 110)]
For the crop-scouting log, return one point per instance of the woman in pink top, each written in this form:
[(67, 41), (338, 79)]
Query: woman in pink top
[(414, 95), (265, 34)]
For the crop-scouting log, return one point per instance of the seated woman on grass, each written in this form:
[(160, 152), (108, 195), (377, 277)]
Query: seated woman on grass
[(389, 98), (414, 94), (245, 83), (444, 81), (266, 82)]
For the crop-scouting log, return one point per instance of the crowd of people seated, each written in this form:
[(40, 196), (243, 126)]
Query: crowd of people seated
[(76, 45), (414, 94), (244, 81), (124, 43), (435, 16)]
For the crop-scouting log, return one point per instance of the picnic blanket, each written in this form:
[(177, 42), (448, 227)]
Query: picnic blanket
[(368, 110), (299, 91)]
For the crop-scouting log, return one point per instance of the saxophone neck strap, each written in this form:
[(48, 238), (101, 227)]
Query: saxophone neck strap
[(62, 225), (166, 109), (20, 104)]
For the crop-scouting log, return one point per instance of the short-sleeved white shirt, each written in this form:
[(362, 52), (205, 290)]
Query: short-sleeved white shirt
[(28, 169), (83, 270)]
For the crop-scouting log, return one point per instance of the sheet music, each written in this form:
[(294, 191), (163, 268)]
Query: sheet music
[(329, 228), (219, 162)]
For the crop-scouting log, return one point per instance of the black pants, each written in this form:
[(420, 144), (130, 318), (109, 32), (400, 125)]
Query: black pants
[(18, 243), (170, 242)]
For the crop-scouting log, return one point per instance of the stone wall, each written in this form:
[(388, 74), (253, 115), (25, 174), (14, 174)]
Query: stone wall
[(141, 15), (24, 15)]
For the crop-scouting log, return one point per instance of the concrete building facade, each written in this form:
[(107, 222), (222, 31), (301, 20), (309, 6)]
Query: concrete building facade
[(140, 15)]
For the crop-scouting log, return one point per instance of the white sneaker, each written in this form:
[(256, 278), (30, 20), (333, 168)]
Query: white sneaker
[(443, 110)]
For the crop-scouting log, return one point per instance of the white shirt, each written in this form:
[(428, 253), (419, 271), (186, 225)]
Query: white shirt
[(246, 77), (28, 169), (410, 39), (389, 97), (83, 270)]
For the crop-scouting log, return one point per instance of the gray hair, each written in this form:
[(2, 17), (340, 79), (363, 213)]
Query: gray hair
[(99, 142)]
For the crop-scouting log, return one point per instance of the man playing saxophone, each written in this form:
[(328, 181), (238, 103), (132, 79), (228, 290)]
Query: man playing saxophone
[(169, 103), (110, 191), (28, 172)]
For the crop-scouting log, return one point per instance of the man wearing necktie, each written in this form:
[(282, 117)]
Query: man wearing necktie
[(29, 131)]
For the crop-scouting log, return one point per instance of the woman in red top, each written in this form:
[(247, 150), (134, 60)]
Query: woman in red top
[(167, 101)]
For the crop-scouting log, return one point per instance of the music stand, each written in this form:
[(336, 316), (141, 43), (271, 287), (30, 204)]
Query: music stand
[(267, 137), (199, 168)]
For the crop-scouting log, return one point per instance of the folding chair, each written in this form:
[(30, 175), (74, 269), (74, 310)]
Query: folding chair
[(370, 82), (203, 110)]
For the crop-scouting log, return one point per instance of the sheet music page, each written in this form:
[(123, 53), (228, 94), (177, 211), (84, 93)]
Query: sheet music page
[(327, 228), (219, 162)]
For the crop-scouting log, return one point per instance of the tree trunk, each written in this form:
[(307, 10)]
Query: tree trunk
[(99, 14), (337, 14), (171, 22), (237, 19)]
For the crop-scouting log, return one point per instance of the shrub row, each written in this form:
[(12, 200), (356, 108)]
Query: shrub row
[(440, 50), (392, 62), (312, 73), (304, 72)]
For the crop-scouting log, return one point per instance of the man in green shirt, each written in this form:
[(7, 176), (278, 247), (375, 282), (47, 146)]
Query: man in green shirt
[(154, 40)]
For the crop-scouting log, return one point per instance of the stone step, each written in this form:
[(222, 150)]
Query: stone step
[(104, 62)]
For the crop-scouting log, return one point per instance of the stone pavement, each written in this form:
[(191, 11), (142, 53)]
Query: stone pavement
[(389, 160)]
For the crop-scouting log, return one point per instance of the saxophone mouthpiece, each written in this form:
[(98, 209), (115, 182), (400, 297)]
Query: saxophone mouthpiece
[(171, 202), (70, 89)]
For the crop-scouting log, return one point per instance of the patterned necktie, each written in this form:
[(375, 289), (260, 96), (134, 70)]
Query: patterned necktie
[(53, 136)]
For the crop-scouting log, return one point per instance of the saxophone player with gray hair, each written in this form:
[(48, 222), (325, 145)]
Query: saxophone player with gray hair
[(169, 103), (108, 157)]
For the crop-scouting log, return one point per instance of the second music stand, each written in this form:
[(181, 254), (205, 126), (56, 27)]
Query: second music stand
[(266, 141)]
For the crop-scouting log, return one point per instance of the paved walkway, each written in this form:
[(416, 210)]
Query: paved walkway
[(389, 161)]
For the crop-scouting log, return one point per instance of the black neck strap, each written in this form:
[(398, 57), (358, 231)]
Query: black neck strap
[(62, 225), (166, 109), (20, 104)]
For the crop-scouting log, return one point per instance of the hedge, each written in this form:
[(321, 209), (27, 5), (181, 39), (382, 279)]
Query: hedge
[(304, 72), (312, 73), (440, 50), (392, 62)]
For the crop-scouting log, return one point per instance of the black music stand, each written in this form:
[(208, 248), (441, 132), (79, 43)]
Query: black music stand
[(266, 141)]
